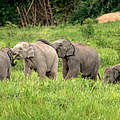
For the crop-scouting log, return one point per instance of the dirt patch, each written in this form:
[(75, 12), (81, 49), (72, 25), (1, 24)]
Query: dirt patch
[(110, 17)]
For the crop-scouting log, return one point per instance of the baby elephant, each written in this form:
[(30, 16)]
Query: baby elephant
[(38, 56), (6, 60), (77, 58), (112, 74)]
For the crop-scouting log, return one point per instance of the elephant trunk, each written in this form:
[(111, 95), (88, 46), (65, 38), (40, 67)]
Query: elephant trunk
[(12, 60), (13, 63)]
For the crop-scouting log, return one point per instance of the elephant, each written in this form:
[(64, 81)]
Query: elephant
[(77, 58), (38, 56), (6, 60), (46, 42), (112, 74), (10, 55)]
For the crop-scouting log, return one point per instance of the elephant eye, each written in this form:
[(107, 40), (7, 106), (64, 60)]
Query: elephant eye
[(59, 48), (20, 48), (60, 44)]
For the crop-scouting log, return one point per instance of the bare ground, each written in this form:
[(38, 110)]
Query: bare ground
[(110, 17)]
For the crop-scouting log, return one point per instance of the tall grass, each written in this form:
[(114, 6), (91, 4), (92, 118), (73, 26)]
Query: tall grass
[(77, 98)]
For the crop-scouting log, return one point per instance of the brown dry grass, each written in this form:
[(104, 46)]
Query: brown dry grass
[(109, 17)]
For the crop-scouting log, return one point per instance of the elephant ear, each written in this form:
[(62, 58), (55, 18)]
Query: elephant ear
[(70, 50), (64, 48), (115, 73), (9, 53), (30, 52)]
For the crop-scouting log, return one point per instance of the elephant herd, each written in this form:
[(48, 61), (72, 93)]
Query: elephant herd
[(42, 57)]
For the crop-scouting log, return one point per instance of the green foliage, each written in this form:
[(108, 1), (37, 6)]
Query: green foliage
[(2, 45), (107, 56), (87, 28), (10, 25), (72, 11), (77, 98), (80, 12), (8, 10), (92, 8)]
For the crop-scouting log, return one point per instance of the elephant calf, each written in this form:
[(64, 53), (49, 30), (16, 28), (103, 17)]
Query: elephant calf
[(39, 56), (77, 58), (6, 60), (112, 74)]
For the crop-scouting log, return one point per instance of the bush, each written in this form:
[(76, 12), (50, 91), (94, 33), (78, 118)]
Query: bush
[(87, 28)]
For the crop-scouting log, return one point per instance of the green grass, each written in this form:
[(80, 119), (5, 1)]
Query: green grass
[(74, 99)]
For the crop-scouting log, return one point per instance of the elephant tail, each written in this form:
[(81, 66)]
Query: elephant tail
[(99, 76), (46, 42)]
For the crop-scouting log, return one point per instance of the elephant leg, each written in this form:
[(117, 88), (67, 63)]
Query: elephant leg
[(94, 77), (74, 69), (51, 75), (72, 73), (3, 74), (41, 72), (65, 68), (1, 78), (94, 73), (42, 75), (8, 74), (54, 70), (27, 70)]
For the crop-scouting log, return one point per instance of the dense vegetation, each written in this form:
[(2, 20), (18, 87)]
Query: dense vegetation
[(72, 11), (76, 98)]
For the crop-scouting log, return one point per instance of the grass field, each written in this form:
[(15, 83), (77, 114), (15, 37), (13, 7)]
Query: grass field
[(74, 99)]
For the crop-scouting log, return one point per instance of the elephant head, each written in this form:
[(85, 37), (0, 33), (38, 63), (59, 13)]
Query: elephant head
[(111, 75), (10, 55), (23, 50), (64, 48)]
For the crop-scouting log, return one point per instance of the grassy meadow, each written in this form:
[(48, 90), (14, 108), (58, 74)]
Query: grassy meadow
[(74, 99)]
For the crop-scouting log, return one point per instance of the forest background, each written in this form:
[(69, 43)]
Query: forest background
[(53, 12)]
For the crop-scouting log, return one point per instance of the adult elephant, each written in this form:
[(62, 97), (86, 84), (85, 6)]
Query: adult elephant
[(112, 74), (77, 58), (38, 56)]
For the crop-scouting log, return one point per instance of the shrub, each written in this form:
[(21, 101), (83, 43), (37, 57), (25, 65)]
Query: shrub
[(87, 28)]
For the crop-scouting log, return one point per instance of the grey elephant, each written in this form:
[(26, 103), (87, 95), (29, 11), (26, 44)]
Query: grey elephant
[(112, 74), (6, 60), (38, 56), (77, 58)]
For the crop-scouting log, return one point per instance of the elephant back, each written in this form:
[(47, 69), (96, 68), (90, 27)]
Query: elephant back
[(45, 48), (86, 50), (45, 42), (45, 52), (117, 67)]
